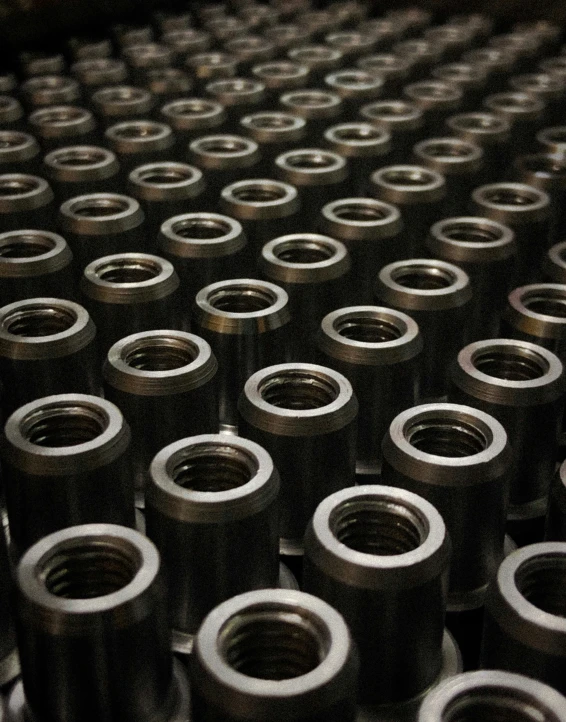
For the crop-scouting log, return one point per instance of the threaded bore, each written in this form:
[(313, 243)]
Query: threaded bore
[(362, 213), (310, 160), (267, 642), (190, 108), (12, 139), (509, 197), (397, 108), (423, 278), (408, 177), (548, 302), (164, 353), (546, 164), (357, 133), (368, 329), (274, 122), (58, 425), (242, 299), (12, 187), (298, 390), (223, 146), (542, 581), (60, 116), (36, 321), (511, 364), (448, 437), (201, 228), (259, 193), (26, 246), (312, 99), (494, 705), (378, 526), (165, 175), (213, 467), (303, 251), (89, 569), (138, 131), (99, 207), (468, 233), (446, 149), (83, 157), (128, 270)]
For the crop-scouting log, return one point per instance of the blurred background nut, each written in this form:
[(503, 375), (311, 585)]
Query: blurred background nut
[(556, 516), (61, 125), (78, 170), (25, 201), (18, 152)]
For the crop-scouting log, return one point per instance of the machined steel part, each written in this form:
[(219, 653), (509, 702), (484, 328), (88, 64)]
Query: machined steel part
[(556, 515), (140, 141), (486, 251), (525, 209), (168, 83), (212, 491), (203, 247), (402, 119), (374, 553), (125, 35), (553, 140), (165, 189), (183, 43), (25, 201), (61, 125), (469, 77), (8, 83), (99, 224), (97, 72), (34, 263), (434, 450), (91, 606), (118, 102), (274, 653), (384, 30), (274, 131), (77, 170), (224, 27), (422, 54), (9, 658), (286, 35), (525, 620), (47, 346), (391, 68), (418, 192), (320, 59), (11, 112), (238, 95), (523, 111), (154, 377), (437, 100), (143, 57), (211, 65), (453, 40), (33, 63), (355, 86), (351, 43), (246, 323), (84, 47), (498, 63), (313, 105), (549, 88), (304, 415), (489, 131), (250, 50), (43, 90), (66, 462), (522, 385), (554, 263), (493, 695), (313, 270), (18, 152), (281, 76), (130, 292), (192, 117), (437, 295)]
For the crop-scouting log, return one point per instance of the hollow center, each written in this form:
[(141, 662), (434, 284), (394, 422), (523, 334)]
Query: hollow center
[(99, 207), (361, 213), (160, 354), (509, 197), (298, 390), (166, 176), (242, 299), (194, 108), (511, 364), (312, 100), (223, 146), (302, 252), (123, 95), (213, 467), (13, 140), (201, 228), (468, 233), (480, 122), (80, 158), (556, 135), (273, 642), (89, 568), (358, 133), (65, 424), (36, 321), (12, 187), (542, 581), (135, 131), (311, 160), (274, 122), (26, 246), (256, 193), (378, 526), (491, 704), (545, 165), (423, 278), (446, 149), (128, 270), (60, 116), (391, 109), (451, 437), (548, 302), (408, 177), (368, 329)]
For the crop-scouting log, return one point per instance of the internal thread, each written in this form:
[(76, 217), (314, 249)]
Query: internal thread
[(243, 299), (548, 302), (137, 131), (511, 364), (303, 251), (447, 150), (90, 569), (274, 122), (423, 278), (9, 139), (509, 197), (468, 233), (99, 207), (11, 187), (312, 100), (479, 122), (37, 321), (494, 705), (214, 467), (298, 390), (128, 271), (408, 177), (58, 425), (201, 229), (449, 437), (545, 164), (259, 193), (271, 643), (391, 109), (360, 213), (194, 108), (160, 354), (358, 133), (223, 146), (165, 175), (368, 329), (80, 158), (26, 246), (59, 116), (542, 581), (378, 526), (311, 160)]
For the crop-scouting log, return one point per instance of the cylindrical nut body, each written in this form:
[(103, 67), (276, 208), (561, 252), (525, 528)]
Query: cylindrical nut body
[(192, 117), (239, 96), (524, 112), (154, 377), (458, 458), (556, 514), (304, 415), (140, 141), (121, 102), (60, 125), (66, 463), (81, 170), (44, 90), (9, 660), (377, 553), (356, 87), (275, 132), (436, 99), (212, 495), (26, 201), (403, 119), (522, 385), (314, 106), (489, 131), (18, 152)]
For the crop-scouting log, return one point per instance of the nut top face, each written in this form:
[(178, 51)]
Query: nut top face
[(22, 192), (542, 170), (386, 65), (434, 95), (464, 75), (491, 695), (10, 109), (298, 399), (37, 328), (16, 146), (236, 91), (122, 100), (281, 73), (269, 674), (135, 136), (56, 121), (193, 114), (155, 363), (358, 139), (471, 239), (311, 166), (512, 203), (316, 56), (208, 66), (113, 567), (361, 219), (423, 284), (540, 85), (212, 478), (201, 235), (354, 83), (395, 115), (369, 335), (224, 152), (538, 310), (312, 104), (97, 214), (481, 128), (378, 535), (259, 199), (515, 106), (511, 373), (99, 71), (464, 446), (274, 127), (76, 163), (51, 89), (166, 181), (408, 184), (30, 252), (304, 258), (450, 156)]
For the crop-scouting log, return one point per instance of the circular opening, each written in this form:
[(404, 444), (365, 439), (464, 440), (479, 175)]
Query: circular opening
[(546, 165), (122, 95), (511, 364), (447, 149), (9, 139), (59, 116), (391, 109), (201, 228), (165, 175), (135, 131), (273, 642), (214, 467), (318, 53), (256, 193), (274, 122), (311, 100), (87, 569), (514, 103), (493, 704), (242, 299), (99, 207), (408, 177), (448, 436), (128, 270), (358, 133), (278, 70), (80, 158), (361, 213), (35, 321), (194, 108), (430, 91), (238, 85), (26, 246), (423, 278), (469, 233), (378, 526), (479, 122), (310, 160), (509, 197), (298, 390), (11, 187), (160, 354), (368, 329), (542, 581), (223, 146), (59, 425), (303, 251), (548, 302)]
